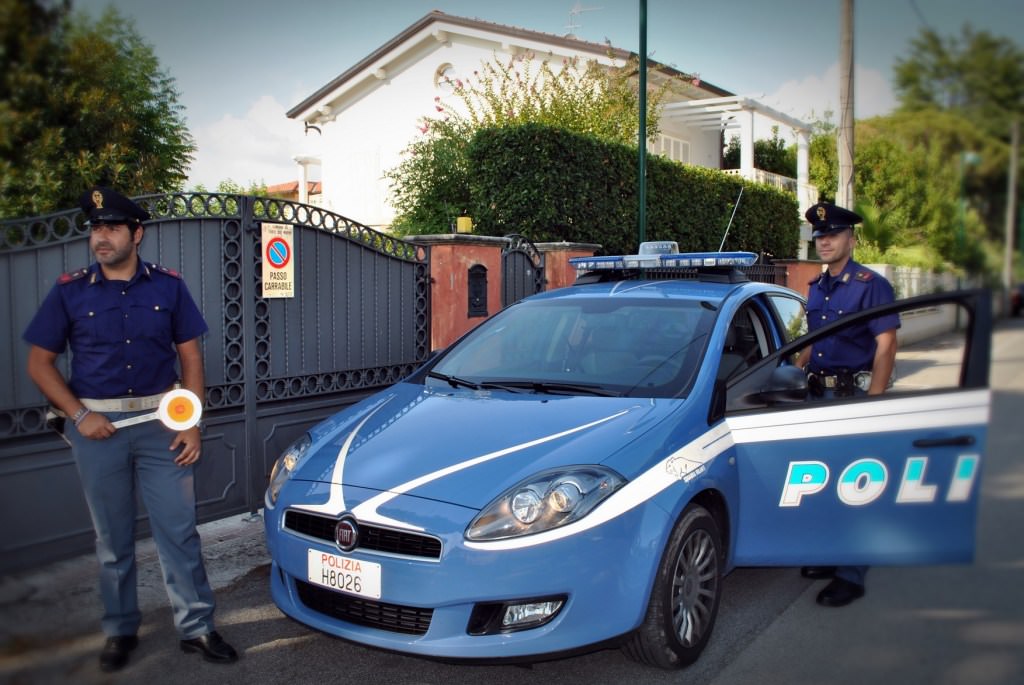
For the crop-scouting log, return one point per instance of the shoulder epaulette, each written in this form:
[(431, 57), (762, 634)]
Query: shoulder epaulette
[(165, 270), (73, 275), (865, 275)]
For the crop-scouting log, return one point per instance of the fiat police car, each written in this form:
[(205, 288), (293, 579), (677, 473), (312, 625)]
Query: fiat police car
[(584, 467)]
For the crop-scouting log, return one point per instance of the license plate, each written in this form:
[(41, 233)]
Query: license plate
[(344, 574)]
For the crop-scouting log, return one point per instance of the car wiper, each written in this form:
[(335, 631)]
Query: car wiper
[(554, 388), (454, 381)]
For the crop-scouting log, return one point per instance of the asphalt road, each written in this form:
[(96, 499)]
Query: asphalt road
[(937, 624)]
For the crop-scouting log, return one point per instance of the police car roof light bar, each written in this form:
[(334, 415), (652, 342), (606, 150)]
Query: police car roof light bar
[(665, 255)]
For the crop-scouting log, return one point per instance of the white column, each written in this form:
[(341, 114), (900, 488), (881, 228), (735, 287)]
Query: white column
[(304, 164), (746, 121)]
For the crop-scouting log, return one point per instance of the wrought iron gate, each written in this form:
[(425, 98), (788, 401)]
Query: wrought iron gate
[(359, 321), (522, 269)]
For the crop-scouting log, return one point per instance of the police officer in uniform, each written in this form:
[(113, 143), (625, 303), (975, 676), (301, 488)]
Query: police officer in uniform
[(859, 361), (127, 323)]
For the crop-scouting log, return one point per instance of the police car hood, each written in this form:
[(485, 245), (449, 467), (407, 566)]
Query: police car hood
[(465, 447)]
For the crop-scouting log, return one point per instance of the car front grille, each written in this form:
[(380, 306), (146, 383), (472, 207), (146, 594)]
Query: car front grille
[(365, 612), (370, 537)]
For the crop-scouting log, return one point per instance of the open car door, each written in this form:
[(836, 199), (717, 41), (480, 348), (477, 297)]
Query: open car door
[(887, 479)]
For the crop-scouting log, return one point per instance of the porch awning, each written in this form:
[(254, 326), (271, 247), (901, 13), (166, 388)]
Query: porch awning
[(721, 113)]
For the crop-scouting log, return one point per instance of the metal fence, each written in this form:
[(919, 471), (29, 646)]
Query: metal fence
[(522, 269), (359, 321)]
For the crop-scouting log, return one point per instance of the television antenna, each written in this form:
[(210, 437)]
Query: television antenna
[(574, 16)]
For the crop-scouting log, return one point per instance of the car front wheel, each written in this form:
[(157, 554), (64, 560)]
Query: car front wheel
[(684, 601)]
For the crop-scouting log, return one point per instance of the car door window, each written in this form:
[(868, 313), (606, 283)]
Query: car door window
[(792, 316), (746, 342)]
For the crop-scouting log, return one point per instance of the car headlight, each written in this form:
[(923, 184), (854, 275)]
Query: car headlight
[(285, 464), (545, 501)]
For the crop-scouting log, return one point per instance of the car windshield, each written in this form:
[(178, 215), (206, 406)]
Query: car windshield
[(583, 346)]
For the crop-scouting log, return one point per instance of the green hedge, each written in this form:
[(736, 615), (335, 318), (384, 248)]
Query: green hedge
[(552, 185)]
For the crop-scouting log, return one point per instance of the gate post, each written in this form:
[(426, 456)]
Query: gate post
[(452, 255), (251, 261), (558, 271)]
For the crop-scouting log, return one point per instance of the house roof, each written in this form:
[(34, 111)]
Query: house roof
[(312, 187), (511, 32)]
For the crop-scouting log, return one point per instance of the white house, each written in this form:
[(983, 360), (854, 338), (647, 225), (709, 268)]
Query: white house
[(367, 116)]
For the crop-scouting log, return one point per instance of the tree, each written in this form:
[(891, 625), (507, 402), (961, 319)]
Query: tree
[(822, 157), (83, 102), (771, 155), (430, 187), (232, 187), (978, 76)]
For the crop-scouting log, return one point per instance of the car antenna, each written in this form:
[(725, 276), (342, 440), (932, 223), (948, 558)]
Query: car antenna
[(734, 208)]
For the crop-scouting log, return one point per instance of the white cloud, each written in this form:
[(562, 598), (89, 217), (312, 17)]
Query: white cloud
[(258, 147), (809, 99)]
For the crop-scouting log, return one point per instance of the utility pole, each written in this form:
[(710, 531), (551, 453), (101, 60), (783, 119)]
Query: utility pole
[(1011, 210), (844, 139)]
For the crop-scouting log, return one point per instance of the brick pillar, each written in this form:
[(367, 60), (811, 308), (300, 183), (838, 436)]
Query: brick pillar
[(452, 255), (800, 273), (557, 270)]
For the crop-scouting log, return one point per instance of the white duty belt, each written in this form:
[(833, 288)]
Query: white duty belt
[(122, 404)]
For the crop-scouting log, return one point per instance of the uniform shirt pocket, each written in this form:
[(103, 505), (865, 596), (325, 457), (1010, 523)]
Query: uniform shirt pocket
[(152, 320), (98, 324)]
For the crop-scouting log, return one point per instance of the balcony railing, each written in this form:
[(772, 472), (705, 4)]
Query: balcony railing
[(806, 194)]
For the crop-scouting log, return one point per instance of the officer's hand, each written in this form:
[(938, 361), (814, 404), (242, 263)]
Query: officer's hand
[(96, 426), (191, 442)]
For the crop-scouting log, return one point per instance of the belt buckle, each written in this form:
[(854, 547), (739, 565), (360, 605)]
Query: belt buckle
[(131, 404), (829, 381)]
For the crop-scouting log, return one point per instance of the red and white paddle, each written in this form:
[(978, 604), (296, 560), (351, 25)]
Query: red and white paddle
[(179, 410)]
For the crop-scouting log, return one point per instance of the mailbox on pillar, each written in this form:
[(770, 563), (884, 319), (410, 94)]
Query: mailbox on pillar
[(477, 290)]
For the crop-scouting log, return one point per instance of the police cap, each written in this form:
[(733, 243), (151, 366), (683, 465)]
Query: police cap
[(103, 205), (827, 218)]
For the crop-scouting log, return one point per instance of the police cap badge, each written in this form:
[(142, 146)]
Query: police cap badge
[(103, 205)]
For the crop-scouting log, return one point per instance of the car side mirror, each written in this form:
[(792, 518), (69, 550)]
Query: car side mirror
[(787, 384)]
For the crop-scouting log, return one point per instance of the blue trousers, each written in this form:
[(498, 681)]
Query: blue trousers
[(853, 574), (137, 459)]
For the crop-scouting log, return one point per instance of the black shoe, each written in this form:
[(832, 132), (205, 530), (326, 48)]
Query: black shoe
[(839, 593), (115, 652), (818, 572), (212, 647)]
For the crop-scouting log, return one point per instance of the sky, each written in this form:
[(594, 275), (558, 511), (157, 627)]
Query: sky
[(240, 65)]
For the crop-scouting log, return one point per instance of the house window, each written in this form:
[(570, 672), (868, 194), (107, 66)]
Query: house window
[(444, 78), (676, 149)]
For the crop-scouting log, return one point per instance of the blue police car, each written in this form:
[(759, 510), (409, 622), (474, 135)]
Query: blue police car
[(585, 466)]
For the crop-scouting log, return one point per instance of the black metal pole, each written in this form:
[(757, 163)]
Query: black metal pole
[(642, 137)]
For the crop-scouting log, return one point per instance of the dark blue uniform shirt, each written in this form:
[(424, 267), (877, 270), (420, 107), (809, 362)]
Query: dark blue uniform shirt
[(854, 289), (121, 333)]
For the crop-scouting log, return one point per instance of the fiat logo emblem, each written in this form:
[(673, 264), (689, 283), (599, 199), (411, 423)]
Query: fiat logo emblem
[(346, 534)]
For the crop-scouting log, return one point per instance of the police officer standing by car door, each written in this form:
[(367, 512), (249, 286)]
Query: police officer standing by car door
[(127, 322), (859, 361)]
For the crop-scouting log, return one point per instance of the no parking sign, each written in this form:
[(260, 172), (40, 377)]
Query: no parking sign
[(278, 261)]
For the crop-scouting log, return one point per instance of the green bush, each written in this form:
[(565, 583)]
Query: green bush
[(553, 185)]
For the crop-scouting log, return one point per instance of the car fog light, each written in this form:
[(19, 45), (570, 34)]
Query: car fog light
[(526, 615), (495, 618)]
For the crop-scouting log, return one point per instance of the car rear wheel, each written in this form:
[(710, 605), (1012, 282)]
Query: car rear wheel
[(684, 601)]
